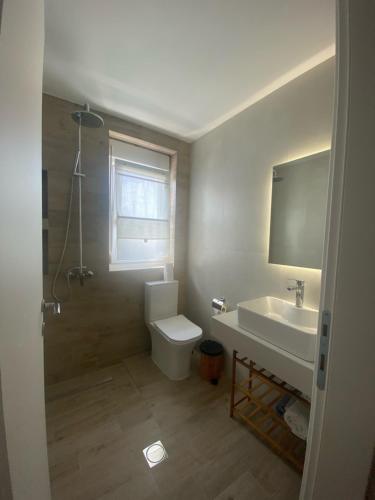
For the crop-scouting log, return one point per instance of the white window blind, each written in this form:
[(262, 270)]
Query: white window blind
[(140, 191)]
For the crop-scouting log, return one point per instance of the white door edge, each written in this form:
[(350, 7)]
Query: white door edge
[(332, 237)]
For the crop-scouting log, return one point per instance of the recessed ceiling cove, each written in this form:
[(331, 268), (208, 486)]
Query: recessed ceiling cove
[(182, 66)]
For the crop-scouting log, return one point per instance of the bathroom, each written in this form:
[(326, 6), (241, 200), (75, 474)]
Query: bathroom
[(221, 185), (222, 222), (191, 202)]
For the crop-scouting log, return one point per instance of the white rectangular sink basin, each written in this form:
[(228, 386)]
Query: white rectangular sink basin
[(282, 324)]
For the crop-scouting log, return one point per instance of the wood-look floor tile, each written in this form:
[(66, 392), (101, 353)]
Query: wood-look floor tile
[(187, 489), (64, 466), (277, 477), (141, 487), (143, 371), (99, 479), (74, 446), (128, 446), (236, 456), (97, 431), (180, 463), (246, 487)]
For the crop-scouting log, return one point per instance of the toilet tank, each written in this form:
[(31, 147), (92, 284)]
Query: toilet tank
[(161, 298)]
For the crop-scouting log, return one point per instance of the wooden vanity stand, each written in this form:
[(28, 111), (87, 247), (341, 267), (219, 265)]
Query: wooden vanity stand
[(253, 400)]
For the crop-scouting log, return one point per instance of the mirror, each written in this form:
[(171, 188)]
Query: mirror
[(298, 212)]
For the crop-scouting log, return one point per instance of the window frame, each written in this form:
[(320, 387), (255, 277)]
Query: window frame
[(121, 265)]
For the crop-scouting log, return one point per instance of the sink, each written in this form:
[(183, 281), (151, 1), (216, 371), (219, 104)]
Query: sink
[(282, 324)]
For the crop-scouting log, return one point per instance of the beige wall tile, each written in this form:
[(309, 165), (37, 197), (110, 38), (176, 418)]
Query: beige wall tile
[(102, 323)]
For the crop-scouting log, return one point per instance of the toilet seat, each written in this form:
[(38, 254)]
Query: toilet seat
[(178, 329)]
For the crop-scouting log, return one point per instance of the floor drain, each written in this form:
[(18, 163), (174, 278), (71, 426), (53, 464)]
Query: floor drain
[(155, 454)]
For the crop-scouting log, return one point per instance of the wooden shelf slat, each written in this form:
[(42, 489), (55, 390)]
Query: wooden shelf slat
[(260, 415)]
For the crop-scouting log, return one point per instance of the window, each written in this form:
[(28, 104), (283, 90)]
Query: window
[(142, 212)]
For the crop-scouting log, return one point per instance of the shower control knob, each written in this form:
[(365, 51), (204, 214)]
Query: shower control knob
[(51, 306)]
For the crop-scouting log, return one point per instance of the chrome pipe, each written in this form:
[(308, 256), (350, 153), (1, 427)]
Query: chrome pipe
[(79, 174)]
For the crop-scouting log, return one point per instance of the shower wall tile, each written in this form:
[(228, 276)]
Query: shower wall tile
[(102, 322)]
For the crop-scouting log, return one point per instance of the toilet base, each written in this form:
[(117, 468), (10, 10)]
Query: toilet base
[(173, 359)]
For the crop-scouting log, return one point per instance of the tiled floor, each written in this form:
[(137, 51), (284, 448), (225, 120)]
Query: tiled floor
[(99, 424)]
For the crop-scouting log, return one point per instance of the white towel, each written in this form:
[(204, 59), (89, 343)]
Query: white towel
[(297, 417)]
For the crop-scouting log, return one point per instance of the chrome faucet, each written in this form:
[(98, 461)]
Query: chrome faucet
[(300, 291)]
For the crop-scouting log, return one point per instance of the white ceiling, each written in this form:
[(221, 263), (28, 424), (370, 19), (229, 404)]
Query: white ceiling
[(183, 66)]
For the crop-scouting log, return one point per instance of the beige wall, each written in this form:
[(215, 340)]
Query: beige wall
[(230, 196), (103, 322)]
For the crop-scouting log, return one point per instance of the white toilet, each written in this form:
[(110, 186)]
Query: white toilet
[(173, 336)]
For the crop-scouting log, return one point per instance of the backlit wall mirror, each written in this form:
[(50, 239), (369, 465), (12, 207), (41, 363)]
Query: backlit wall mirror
[(298, 212)]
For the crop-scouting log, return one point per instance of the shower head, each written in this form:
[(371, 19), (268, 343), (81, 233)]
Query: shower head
[(87, 118)]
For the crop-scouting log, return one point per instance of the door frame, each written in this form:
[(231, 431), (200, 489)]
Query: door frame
[(332, 238), (331, 446), (23, 442)]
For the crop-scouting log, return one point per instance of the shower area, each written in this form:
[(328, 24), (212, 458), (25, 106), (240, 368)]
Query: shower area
[(102, 316), (87, 119)]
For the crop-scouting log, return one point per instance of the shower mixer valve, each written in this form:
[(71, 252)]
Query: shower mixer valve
[(81, 274)]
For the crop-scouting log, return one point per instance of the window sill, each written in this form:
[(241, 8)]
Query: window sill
[(137, 266)]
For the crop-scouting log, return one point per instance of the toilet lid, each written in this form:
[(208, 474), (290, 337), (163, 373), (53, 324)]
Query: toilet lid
[(178, 329)]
